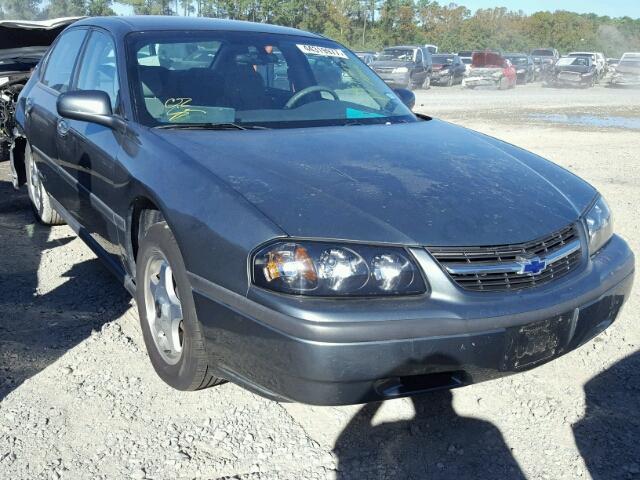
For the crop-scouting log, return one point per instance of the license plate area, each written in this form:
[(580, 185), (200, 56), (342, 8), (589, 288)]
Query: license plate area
[(538, 342)]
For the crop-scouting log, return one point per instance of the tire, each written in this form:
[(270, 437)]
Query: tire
[(40, 198), (450, 81), (503, 84), (426, 85), (188, 367)]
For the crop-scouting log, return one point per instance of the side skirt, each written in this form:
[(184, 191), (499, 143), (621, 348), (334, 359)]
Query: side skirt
[(113, 267)]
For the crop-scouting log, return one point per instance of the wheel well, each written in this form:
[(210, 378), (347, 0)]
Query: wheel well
[(144, 213), (18, 149)]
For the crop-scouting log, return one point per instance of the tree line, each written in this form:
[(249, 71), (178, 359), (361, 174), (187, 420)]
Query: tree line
[(372, 24)]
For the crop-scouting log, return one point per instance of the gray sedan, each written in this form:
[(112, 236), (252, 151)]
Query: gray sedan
[(285, 221)]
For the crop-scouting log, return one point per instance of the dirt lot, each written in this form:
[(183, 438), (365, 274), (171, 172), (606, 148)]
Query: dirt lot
[(79, 399)]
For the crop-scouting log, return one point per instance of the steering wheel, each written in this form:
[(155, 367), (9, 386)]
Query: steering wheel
[(306, 91)]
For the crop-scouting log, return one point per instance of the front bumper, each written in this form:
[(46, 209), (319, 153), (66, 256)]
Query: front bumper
[(396, 80), (329, 352), (625, 80), (482, 81)]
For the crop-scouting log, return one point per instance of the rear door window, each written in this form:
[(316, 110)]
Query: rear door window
[(63, 59)]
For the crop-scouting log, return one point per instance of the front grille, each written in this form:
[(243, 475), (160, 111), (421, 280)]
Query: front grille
[(468, 266), (384, 69)]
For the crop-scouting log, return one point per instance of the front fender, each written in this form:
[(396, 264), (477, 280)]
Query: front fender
[(216, 228)]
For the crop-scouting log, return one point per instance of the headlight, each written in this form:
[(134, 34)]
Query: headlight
[(329, 269), (599, 223), (520, 70), (400, 70)]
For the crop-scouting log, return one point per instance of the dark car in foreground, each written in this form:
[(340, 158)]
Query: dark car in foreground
[(448, 69), (404, 67), (310, 244), (22, 45), (577, 71), (524, 65)]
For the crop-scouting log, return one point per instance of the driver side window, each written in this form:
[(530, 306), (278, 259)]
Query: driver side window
[(98, 70)]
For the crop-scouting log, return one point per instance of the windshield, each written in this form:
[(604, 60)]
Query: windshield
[(398, 54), (518, 60), (566, 61), (542, 53), (630, 60), (442, 59), (254, 79)]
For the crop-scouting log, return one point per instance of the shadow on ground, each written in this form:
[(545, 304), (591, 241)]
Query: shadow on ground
[(608, 436), (36, 329), (436, 444)]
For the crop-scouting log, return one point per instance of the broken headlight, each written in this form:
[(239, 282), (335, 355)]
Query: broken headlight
[(599, 225), (331, 269)]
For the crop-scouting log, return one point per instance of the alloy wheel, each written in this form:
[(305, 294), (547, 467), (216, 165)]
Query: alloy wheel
[(163, 308)]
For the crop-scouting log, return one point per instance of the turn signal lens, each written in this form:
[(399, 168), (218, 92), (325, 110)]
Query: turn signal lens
[(327, 269), (291, 264)]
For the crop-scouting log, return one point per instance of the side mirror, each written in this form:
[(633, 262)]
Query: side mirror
[(407, 97), (88, 106)]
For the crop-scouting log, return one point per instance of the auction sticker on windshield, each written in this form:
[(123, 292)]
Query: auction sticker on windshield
[(324, 51)]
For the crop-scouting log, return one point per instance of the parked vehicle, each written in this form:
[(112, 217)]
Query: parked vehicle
[(627, 71), (545, 59), (525, 68), (612, 63), (404, 67), (433, 49), (466, 58), (22, 45), (490, 69), (366, 57), (447, 69), (597, 59), (576, 71), (298, 241)]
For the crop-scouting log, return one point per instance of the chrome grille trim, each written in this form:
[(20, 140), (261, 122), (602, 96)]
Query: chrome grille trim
[(501, 267), (511, 267)]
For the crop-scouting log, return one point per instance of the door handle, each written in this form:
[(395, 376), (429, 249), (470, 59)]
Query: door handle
[(62, 128)]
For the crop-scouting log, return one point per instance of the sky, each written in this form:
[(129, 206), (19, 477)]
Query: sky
[(613, 8)]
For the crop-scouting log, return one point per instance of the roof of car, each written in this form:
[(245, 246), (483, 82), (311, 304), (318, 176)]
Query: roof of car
[(153, 22)]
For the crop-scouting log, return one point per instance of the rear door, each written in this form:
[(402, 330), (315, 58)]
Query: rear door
[(89, 150), (42, 119)]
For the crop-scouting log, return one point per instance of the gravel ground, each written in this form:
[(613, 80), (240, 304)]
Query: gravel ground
[(79, 399)]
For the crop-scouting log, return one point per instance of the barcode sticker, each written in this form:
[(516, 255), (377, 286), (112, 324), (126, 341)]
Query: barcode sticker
[(323, 51)]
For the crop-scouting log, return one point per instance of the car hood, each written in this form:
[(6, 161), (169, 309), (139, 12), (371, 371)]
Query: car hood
[(390, 64), (573, 68), (622, 68), (23, 33), (425, 183)]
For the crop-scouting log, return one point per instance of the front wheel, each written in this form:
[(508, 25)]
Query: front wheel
[(170, 327), (40, 199), (426, 85)]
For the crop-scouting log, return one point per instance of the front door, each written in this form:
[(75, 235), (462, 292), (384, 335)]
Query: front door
[(88, 150)]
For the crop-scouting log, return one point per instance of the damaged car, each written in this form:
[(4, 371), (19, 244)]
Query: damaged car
[(308, 242), (490, 69), (22, 45), (448, 69), (404, 67), (524, 65), (578, 71), (627, 71)]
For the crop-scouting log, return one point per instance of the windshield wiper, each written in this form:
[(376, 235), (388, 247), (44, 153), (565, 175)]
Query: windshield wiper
[(210, 126)]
